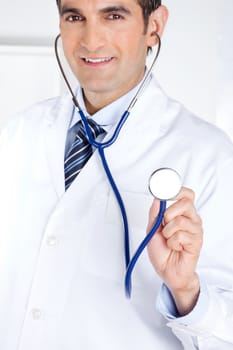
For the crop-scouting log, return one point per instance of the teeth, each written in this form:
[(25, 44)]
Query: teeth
[(97, 60)]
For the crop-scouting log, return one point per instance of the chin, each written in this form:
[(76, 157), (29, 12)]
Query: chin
[(96, 87)]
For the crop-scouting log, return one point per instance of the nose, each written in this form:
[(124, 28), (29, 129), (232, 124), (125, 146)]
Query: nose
[(92, 37)]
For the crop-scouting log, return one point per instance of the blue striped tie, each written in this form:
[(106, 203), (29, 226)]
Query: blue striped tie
[(80, 151)]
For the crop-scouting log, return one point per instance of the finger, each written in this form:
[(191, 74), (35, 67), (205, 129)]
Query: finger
[(183, 241), (187, 193), (185, 207), (181, 223)]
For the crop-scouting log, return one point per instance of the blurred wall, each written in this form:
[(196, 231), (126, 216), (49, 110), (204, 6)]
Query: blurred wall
[(187, 66), (28, 72), (224, 102)]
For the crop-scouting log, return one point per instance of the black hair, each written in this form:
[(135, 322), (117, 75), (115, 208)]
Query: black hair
[(148, 6)]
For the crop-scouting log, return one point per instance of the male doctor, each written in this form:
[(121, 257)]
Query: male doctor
[(61, 243)]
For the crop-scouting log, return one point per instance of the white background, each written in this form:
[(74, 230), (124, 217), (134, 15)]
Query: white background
[(195, 65)]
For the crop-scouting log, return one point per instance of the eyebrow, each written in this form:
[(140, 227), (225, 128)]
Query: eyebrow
[(65, 10), (105, 10), (121, 9)]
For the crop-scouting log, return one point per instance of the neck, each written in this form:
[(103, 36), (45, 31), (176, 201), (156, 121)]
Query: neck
[(96, 100)]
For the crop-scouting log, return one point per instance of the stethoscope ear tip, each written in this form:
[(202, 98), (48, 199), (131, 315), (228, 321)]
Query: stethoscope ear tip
[(165, 184)]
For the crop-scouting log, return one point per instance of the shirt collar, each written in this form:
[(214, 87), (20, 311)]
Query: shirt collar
[(110, 114)]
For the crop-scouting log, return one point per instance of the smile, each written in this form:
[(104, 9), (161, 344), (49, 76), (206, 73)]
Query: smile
[(97, 60)]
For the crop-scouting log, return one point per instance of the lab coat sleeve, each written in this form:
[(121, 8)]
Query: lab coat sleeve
[(209, 325)]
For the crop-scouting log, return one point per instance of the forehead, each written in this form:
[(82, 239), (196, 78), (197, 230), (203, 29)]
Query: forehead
[(97, 3)]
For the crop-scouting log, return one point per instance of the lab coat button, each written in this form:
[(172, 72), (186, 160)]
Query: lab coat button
[(36, 314), (52, 241)]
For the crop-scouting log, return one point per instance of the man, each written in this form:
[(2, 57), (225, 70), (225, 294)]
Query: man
[(61, 251)]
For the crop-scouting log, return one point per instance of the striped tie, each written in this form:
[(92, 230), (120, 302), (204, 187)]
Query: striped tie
[(80, 151)]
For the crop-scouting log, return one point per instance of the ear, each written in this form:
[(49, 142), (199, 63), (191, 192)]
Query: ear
[(157, 22)]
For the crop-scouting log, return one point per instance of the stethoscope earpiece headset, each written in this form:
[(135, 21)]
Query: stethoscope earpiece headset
[(160, 189)]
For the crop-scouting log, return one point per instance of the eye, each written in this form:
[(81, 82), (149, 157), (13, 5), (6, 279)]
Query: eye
[(115, 16), (74, 18)]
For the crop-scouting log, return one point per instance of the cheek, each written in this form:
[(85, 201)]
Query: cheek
[(69, 40), (68, 49), (135, 52), (133, 43)]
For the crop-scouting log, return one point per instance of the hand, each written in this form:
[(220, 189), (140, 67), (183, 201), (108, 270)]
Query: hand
[(174, 250)]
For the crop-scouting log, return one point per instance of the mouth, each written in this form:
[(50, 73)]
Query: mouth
[(96, 61)]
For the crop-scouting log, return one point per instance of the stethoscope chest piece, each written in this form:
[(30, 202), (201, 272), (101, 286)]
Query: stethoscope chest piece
[(165, 184)]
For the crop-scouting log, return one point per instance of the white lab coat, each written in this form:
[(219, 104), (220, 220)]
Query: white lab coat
[(61, 253)]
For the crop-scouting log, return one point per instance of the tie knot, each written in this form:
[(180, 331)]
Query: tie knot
[(95, 129)]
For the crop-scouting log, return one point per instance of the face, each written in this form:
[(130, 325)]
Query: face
[(105, 44)]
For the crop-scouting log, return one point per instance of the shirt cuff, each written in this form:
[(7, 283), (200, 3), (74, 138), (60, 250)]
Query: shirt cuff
[(167, 307)]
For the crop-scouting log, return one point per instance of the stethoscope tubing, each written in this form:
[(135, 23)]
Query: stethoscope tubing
[(141, 248), (120, 203), (100, 146), (114, 137)]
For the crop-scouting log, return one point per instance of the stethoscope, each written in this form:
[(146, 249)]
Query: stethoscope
[(164, 183)]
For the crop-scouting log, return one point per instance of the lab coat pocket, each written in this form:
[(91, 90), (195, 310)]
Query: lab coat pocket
[(104, 246)]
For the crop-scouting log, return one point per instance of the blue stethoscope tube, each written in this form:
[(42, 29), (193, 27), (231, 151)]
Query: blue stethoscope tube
[(142, 246), (100, 147), (129, 263)]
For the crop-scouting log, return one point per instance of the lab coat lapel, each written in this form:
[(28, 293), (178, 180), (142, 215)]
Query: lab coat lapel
[(117, 155), (57, 123)]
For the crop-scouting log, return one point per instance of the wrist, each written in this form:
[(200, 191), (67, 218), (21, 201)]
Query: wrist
[(186, 297)]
